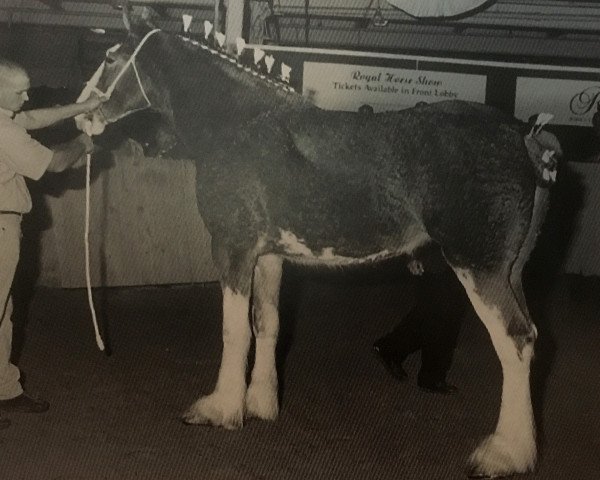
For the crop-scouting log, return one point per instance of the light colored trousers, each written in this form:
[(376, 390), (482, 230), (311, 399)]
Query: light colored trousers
[(10, 243)]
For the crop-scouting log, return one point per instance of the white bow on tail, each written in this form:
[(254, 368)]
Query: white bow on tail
[(541, 120), (544, 150)]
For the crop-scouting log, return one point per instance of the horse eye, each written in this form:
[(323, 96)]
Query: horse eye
[(109, 60)]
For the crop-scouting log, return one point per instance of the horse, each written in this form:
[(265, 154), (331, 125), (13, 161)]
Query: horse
[(280, 179)]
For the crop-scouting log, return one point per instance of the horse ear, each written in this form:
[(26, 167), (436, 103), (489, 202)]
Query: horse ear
[(147, 18), (126, 13), (137, 25)]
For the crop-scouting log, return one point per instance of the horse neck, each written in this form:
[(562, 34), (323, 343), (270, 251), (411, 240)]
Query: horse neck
[(210, 97)]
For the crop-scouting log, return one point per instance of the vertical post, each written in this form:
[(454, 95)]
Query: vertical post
[(219, 23), (307, 22), (257, 31), (234, 27)]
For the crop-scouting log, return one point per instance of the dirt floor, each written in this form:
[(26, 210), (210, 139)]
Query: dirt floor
[(342, 417)]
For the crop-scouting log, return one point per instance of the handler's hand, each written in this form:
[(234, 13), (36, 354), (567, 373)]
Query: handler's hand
[(87, 142), (93, 102)]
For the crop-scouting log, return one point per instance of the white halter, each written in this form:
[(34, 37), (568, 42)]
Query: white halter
[(130, 62)]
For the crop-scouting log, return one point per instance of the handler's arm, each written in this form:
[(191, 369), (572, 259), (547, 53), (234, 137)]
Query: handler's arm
[(44, 117), (67, 154)]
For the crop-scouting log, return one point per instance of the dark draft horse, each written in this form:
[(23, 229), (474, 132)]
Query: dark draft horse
[(278, 178)]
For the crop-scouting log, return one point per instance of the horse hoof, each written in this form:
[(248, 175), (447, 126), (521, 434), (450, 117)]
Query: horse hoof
[(195, 419), (496, 458), (211, 410), (261, 402), (474, 472)]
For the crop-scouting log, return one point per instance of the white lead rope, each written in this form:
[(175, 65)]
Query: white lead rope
[(84, 95), (88, 279)]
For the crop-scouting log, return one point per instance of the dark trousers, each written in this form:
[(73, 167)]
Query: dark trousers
[(432, 326)]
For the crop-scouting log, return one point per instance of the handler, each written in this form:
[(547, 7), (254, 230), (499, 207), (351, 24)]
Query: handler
[(21, 156)]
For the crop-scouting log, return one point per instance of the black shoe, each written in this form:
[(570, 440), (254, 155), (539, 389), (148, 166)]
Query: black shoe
[(440, 387), (391, 362), (4, 423), (24, 404)]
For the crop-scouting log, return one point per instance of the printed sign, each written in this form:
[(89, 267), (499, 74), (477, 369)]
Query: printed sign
[(572, 102), (333, 86)]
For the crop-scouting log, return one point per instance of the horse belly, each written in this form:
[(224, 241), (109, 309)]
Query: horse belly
[(342, 251)]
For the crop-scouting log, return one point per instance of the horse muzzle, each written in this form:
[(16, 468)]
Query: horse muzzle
[(92, 123)]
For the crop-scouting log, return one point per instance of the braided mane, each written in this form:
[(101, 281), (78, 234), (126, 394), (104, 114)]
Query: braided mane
[(249, 69)]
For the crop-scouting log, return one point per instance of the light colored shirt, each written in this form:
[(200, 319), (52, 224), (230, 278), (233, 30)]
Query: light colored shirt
[(20, 156)]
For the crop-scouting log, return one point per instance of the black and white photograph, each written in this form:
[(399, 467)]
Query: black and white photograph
[(299, 239)]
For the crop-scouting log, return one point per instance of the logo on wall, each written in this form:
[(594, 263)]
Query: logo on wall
[(584, 101), (572, 102)]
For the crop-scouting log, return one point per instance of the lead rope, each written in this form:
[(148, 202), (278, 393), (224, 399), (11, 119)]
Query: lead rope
[(84, 95), (88, 280)]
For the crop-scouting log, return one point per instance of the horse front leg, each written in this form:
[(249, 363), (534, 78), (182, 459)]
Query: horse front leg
[(225, 406), (261, 398), (511, 448)]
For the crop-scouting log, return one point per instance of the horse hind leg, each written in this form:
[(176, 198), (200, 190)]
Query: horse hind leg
[(512, 447), (261, 397)]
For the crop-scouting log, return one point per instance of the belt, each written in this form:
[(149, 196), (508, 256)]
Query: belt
[(10, 212)]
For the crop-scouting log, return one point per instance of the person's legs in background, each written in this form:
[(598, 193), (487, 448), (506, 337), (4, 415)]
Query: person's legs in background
[(393, 348), (432, 325), (441, 308)]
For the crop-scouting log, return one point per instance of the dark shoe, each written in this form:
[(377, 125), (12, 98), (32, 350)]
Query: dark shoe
[(24, 404), (4, 423), (391, 362), (441, 387)]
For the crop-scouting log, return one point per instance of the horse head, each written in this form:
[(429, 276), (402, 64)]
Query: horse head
[(201, 91), (129, 78)]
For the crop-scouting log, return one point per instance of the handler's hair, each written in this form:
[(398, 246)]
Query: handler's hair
[(8, 68)]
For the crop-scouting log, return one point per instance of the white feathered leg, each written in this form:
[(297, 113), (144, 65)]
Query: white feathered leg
[(225, 406), (511, 448), (261, 397)]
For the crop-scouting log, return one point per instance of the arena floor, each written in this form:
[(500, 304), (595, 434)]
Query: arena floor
[(342, 417)]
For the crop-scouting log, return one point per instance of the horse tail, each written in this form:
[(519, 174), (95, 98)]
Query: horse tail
[(544, 151), (540, 207)]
